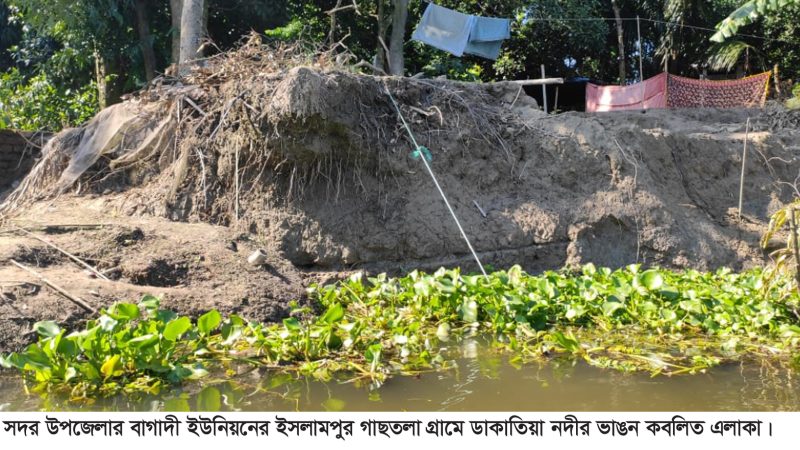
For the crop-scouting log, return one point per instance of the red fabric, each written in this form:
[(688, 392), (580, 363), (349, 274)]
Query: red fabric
[(672, 91), (746, 92), (648, 94)]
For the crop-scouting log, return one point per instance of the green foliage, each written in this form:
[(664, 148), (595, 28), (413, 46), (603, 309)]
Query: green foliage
[(40, 104), (783, 258), (566, 48), (725, 56), (291, 31), (629, 319), (748, 13), (794, 102)]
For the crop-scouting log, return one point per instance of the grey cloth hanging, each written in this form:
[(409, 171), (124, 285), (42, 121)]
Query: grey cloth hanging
[(459, 33), (444, 29), (487, 36)]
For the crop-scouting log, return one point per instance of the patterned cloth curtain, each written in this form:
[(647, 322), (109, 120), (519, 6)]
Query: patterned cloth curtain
[(672, 91), (748, 92)]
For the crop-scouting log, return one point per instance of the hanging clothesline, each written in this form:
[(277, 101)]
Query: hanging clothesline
[(663, 22), (633, 19)]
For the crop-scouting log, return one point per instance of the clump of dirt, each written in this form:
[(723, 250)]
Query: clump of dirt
[(309, 161), (777, 117)]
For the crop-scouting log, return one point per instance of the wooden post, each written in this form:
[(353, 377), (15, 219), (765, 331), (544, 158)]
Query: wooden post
[(236, 180), (641, 70), (796, 251), (535, 82), (77, 300), (544, 92), (741, 178), (639, 40), (555, 102)]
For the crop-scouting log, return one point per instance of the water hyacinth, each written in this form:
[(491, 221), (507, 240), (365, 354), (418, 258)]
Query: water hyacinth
[(629, 319)]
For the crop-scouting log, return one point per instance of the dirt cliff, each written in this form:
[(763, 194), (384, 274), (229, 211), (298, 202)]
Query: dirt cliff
[(313, 165)]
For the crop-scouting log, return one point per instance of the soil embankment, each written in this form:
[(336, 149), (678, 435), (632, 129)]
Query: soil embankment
[(313, 166)]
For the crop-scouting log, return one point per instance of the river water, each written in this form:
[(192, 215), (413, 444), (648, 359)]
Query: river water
[(482, 382)]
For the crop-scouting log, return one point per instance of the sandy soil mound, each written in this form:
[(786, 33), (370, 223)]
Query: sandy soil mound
[(173, 189)]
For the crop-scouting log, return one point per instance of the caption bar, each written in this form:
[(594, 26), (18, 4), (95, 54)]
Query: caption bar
[(202, 425)]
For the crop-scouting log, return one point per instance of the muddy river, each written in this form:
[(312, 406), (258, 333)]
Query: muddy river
[(482, 382)]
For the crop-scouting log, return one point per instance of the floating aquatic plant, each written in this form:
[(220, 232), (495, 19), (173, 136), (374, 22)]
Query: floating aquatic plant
[(630, 319)]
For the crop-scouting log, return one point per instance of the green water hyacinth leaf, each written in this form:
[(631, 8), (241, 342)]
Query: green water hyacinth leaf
[(652, 280), (196, 372), (70, 373), (142, 342), (469, 311), (568, 343), (334, 314), (609, 308), (46, 328), (124, 311), (443, 331), (373, 356), (175, 328), (291, 324), (209, 322), (111, 367), (574, 311), (6, 361), (150, 304), (670, 293), (669, 315), (106, 323)]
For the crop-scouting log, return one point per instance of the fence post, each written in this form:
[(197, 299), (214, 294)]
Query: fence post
[(544, 91)]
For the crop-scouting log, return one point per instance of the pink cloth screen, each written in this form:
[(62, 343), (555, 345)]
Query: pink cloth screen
[(648, 94)]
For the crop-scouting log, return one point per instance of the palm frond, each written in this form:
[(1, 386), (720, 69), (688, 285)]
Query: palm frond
[(746, 14), (726, 55)]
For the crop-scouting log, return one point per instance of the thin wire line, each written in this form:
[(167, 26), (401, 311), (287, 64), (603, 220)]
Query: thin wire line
[(715, 30), (666, 22), (575, 19), (435, 181)]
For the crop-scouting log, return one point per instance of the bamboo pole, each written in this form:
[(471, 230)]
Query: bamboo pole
[(641, 70), (741, 178), (56, 288), (537, 82), (544, 91), (64, 252), (796, 251), (555, 102)]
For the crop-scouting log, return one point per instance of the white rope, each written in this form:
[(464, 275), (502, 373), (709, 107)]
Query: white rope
[(435, 181)]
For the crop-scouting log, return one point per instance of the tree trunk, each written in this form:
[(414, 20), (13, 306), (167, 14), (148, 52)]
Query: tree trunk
[(397, 38), (620, 41), (145, 39), (191, 33), (332, 32), (100, 79), (380, 53), (116, 81), (175, 9), (109, 82)]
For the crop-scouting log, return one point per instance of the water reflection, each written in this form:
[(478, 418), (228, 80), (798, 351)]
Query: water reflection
[(482, 381)]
